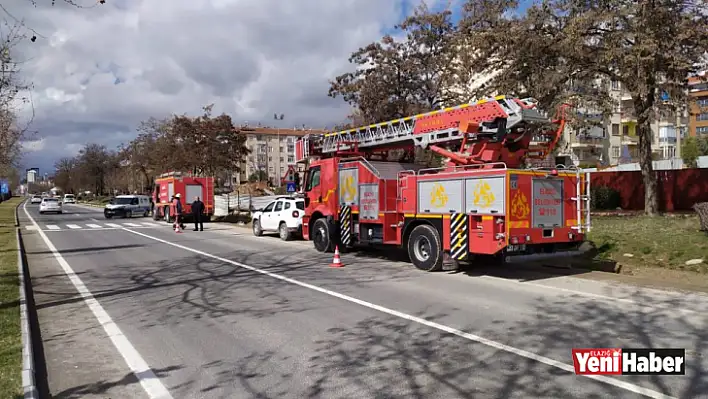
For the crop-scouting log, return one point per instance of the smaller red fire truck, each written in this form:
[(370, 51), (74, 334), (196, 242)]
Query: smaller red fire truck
[(482, 202), (187, 186)]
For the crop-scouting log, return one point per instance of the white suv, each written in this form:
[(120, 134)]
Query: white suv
[(283, 215)]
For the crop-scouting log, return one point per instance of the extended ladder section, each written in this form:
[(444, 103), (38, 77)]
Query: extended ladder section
[(488, 119)]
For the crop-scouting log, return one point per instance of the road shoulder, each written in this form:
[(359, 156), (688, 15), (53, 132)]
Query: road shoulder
[(79, 357)]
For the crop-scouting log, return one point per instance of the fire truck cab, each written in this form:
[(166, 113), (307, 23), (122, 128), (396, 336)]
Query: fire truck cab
[(489, 207)]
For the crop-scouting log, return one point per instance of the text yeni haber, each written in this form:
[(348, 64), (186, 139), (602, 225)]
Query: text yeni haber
[(629, 361)]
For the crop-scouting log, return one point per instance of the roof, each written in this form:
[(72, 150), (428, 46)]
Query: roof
[(283, 132)]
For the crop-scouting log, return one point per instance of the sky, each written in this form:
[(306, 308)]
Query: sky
[(98, 71)]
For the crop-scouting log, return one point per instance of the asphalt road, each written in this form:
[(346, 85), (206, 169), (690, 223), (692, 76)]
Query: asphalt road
[(221, 313)]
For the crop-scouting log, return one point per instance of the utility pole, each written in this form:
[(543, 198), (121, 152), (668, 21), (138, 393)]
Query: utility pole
[(278, 117)]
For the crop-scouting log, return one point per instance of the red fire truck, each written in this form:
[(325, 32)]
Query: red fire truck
[(482, 202), (187, 186)]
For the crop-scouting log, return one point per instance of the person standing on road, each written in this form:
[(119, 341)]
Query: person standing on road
[(197, 211), (178, 211)]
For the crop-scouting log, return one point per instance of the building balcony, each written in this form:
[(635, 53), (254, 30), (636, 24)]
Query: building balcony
[(630, 140), (587, 142), (628, 117)]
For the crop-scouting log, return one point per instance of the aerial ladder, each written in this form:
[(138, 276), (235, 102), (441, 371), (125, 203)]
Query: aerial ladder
[(488, 131)]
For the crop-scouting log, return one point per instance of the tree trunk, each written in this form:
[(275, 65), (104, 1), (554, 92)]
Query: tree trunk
[(651, 203)]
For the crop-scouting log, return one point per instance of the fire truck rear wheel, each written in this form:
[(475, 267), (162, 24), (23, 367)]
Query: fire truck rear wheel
[(424, 248), (321, 236)]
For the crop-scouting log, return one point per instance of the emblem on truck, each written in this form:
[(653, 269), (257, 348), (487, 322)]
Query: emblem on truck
[(483, 195), (438, 198), (520, 206), (348, 189)]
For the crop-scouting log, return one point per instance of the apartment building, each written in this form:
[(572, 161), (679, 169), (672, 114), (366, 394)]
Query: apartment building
[(272, 151), (615, 139), (698, 105)]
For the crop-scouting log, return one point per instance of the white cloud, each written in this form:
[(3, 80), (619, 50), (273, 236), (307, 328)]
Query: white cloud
[(97, 72), (34, 145)]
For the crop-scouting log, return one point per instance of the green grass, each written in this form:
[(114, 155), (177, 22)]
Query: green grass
[(10, 335), (663, 241)]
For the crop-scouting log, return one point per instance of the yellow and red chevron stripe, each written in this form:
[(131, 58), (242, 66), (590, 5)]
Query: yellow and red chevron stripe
[(521, 224)]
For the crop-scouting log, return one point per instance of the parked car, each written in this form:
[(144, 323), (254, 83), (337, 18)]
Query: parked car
[(128, 206), (282, 215), (36, 199), (50, 205), (69, 199)]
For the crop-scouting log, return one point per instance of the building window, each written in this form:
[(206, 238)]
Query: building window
[(625, 130), (702, 117), (702, 101), (282, 159), (291, 159), (615, 129), (702, 130), (615, 85), (291, 148), (615, 151)]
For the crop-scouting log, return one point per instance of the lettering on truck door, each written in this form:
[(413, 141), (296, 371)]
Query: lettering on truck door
[(547, 203)]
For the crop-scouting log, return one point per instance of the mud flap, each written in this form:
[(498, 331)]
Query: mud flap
[(345, 225)]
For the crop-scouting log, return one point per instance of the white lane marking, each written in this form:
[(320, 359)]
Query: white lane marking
[(30, 227), (131, 224), (451, 330), (94, 226), (53, 227), (151, 384), (150, 224), (114, 225), (73, 226)]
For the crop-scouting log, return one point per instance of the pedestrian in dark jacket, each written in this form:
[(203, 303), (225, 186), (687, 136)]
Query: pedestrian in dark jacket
[(198, 213)]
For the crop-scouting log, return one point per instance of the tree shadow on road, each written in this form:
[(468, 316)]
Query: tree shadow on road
[(104, 387), (382, 357)]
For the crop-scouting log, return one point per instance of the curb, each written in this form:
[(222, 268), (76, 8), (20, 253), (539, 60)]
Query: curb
[(28, 370)]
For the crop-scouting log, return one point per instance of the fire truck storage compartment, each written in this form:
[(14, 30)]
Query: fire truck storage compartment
[(170, 190), (348, 186), (485, 195), (191, 191), (440, 196), (547, 205)]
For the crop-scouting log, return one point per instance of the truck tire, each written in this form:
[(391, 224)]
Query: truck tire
[(425, 248), (321, 236), (156, 214), (166, 213)]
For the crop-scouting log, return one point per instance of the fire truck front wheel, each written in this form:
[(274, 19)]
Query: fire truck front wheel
[(321, 236), (424, 248)]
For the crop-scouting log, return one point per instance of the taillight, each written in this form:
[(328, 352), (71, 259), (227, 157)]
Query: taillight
[(296, 214), (514, 240)]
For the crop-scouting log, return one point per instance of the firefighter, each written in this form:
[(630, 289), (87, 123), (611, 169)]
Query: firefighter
[(178, 210)]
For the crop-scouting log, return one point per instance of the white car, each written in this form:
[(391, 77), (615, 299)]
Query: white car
[(283, 215), (69, 199), (36, 199), (50, 204)]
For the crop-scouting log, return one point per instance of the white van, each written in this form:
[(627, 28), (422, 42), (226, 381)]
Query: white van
[(127, 206)]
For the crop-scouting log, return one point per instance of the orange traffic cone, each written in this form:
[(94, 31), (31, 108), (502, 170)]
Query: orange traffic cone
[(177, 229), (336, 262)]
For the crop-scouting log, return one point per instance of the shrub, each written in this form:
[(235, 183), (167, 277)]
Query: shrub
[(605, 198)]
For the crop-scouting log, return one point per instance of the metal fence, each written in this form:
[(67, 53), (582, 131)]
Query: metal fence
[(228, 203)]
